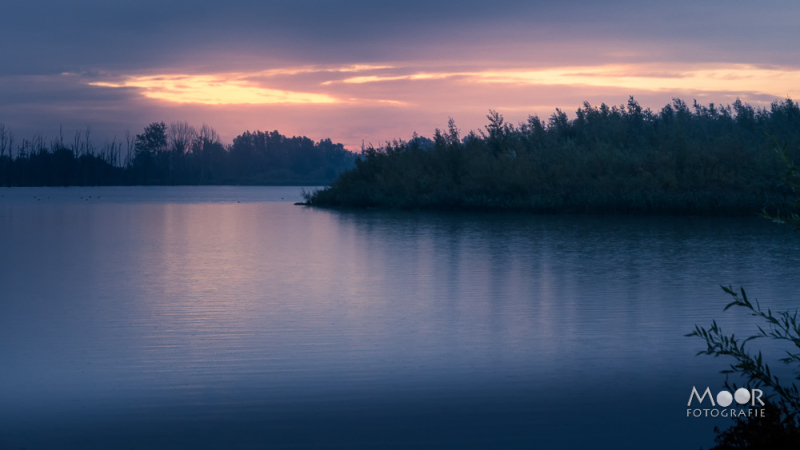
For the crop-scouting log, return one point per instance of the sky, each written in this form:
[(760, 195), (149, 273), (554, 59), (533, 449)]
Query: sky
[(370, 71)]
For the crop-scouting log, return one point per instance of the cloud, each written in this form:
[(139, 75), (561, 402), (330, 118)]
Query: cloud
[(286, 85), (356, 69), (773, 80), (224, 89), (376, 103), (400, 85), (52, 36)]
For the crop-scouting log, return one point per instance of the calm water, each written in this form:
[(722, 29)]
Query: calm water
[(227, 317)]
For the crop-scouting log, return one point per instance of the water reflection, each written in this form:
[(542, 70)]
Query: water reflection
[(249, 312)]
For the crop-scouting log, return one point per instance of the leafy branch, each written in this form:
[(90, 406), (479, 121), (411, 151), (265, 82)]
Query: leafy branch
[(779, 325)]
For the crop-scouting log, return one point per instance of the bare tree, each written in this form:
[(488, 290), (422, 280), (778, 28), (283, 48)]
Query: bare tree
[(180, 136), (89, 146), (76, 144), (208, 134), (10, 144), (4, 144), (38, 145), (129, 148), (3, 137)]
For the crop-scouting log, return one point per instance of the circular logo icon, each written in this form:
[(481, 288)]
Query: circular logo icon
[(724, 398), (742, 396)]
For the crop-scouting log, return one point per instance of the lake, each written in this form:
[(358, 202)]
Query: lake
[(228, 317)]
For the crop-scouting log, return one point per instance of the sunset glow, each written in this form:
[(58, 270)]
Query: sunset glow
[(374, 72), (232, 89), (212, 90), (780, 82)]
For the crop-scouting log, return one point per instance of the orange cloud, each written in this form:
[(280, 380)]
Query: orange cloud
[(222, 89), (239, 87), (320, 85), (778, 81)]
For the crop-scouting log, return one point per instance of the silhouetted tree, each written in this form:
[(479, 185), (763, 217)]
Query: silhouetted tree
[(149, 145)]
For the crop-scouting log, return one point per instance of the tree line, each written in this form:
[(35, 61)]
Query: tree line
[(175, 154), (698, 159)]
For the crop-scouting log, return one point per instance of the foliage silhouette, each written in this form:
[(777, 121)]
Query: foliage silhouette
[(777, 430), (780, 428), (704, 160), (171, 154), (792, 179)]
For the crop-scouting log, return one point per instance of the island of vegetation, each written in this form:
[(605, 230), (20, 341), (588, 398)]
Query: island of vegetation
[(681, 160)]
